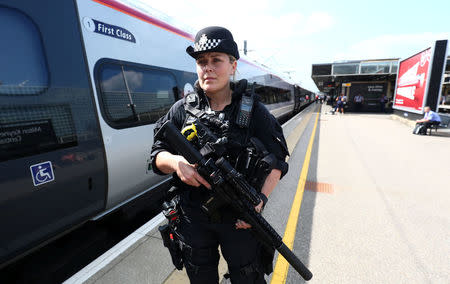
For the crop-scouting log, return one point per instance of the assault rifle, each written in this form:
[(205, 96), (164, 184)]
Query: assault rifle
[(233, 189)]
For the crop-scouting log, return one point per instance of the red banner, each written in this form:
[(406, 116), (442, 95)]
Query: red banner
[(412, 82)]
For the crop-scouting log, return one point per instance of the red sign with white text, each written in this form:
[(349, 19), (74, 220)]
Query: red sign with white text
[(412, 82)]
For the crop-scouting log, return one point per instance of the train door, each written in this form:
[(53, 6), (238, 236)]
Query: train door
[(52, 167)]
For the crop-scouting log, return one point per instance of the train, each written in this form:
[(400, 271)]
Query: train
[(82, 83)]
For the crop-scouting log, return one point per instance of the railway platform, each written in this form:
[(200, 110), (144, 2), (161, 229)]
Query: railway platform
[(364, 201)]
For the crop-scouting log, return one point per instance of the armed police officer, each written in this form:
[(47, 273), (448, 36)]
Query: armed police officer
[(220, 100)]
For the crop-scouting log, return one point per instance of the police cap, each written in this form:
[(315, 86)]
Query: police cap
[(213, 39)]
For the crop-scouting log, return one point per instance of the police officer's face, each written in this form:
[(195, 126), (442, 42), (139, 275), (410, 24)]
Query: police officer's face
[(214, 70)]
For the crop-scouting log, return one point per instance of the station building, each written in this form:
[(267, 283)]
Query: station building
[(370, 78)]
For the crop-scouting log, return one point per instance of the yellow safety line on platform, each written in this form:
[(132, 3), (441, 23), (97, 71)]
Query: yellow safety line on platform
[(281, 266)]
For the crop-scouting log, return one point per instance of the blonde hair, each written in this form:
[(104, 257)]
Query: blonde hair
[(232, 60)]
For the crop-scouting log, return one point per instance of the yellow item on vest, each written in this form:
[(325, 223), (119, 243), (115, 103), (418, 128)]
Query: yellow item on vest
[(190, 132)]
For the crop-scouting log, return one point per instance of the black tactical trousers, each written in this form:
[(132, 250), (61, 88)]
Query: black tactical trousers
[(201, 257)]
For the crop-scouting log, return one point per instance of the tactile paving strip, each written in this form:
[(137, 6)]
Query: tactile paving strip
[(319, 187)]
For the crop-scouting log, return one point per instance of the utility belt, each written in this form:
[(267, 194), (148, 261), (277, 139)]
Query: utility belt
[(191, 201)]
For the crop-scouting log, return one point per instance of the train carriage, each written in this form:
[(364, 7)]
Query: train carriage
[(81, 86)]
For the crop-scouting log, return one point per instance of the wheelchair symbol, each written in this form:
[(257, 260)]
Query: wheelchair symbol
[(42, 173)]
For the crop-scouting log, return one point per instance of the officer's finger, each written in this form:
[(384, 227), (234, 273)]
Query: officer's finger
[(258, 208), (242, 225), (191, 181), (201, 180), (186, 172)]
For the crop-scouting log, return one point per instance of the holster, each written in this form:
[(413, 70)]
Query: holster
[(172, 242)]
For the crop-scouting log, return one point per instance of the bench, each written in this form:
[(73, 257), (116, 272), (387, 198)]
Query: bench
[(445, 120)]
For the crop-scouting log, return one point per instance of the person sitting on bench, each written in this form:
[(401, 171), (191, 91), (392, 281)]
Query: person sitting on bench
[(429, 119)]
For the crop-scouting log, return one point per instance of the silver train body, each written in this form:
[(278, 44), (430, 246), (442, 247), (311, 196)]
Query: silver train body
[(81, 86)]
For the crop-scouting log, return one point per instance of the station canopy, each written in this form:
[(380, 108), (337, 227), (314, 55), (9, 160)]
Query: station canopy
[(329, 76)]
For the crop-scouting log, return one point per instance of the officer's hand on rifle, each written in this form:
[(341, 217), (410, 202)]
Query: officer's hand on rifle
[(169, 163), (189, 175), (243, 225), (269, 184)]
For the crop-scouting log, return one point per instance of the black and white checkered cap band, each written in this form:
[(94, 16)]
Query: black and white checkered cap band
[(209, 44)]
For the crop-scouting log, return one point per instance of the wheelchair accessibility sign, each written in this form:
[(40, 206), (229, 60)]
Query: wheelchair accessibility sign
[(42, 173)]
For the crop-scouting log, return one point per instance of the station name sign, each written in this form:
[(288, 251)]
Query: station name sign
[(108, 30), (378, 88)]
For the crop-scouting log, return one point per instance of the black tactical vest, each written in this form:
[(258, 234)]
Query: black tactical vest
[(197, 105)]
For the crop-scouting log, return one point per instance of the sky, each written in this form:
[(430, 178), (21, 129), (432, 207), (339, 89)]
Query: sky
[(291, 35)]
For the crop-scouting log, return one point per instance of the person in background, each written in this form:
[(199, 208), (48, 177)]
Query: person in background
[(428, 119), (358, 100), (340, 104), (335, 105), (344, 100), (383, 100)]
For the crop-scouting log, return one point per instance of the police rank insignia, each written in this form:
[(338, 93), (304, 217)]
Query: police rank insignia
[(203, 39), (204, 43)]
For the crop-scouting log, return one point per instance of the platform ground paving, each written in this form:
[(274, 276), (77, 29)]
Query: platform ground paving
[(388, 218)]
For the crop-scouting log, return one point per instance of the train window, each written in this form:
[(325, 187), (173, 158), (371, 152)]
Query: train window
[(135, 96), (116, 101), (23, 69), (152, 92), (29, 125)]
